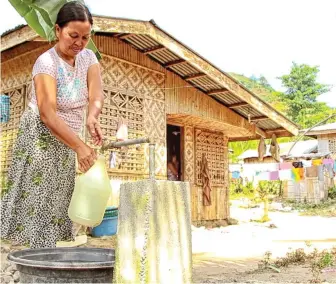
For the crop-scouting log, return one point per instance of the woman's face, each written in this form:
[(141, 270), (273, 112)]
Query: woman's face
[(73, 37)]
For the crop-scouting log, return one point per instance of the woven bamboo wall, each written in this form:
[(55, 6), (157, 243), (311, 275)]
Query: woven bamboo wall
[(135, 94), (131, 91), (215, 145), (134, 87), (190, 106), (16, 82)]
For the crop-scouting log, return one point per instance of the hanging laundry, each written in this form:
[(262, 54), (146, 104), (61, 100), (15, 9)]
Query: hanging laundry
[(113, 160), (274, 175), (329, 170), (286, 166), (317, 162), (285, 175), (122, 130), (263, 176), (328, 162), (235, 175), (320, 173), (307, 163), (298, 174), (261, 149), (275, 148), (312, 172), (297, 165)]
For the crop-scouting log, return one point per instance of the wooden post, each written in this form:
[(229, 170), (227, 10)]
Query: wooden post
[(227, 180)]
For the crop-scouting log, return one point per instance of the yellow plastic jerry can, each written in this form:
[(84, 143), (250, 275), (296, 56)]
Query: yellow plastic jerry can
[(91, 194)]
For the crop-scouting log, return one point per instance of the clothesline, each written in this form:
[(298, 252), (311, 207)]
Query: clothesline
[(295, 171)]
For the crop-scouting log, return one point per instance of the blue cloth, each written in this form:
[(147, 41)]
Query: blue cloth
[(235, 175)]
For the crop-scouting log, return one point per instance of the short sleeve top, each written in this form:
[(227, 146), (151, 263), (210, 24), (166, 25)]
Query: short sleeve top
[(72, 87)]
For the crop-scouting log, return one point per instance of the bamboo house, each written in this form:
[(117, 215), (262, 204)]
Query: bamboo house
[(164, 90)]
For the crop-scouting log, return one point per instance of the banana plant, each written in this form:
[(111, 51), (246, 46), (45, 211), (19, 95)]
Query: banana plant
[(41, 16)]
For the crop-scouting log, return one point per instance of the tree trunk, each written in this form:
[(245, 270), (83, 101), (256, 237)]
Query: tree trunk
[(265, 218)]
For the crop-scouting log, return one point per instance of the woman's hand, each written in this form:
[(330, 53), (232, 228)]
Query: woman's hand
[(94, 129), (86, 157)]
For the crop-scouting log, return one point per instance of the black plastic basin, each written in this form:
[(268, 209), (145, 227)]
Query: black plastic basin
[(64, 265)]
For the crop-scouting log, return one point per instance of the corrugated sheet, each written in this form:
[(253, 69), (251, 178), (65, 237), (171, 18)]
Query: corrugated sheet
[(248, 110), (143, 43), (164, 56), (184, 69), (268, 124), (227, 98), (205, 83)]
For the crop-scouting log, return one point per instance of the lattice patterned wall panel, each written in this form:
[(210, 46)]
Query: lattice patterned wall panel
[(155, 128), (9, 130), (189, 160), (212, 144), (138, 94), (129, 107)]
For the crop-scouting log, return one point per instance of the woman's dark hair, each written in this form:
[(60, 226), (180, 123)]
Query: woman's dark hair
[(73, 11)]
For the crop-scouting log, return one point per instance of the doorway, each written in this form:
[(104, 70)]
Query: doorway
[(174, 149)]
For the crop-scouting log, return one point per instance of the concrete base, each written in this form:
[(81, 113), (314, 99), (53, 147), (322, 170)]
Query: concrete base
[(154, 233)]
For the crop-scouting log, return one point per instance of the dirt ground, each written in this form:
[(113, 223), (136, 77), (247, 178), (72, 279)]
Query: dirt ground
[(238, 249), (231, 254)]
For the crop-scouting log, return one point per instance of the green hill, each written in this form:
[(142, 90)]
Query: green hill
[(259, 86), (262, 88)]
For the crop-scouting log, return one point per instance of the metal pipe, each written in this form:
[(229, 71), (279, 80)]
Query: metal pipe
[(128, 142), (152, 161)]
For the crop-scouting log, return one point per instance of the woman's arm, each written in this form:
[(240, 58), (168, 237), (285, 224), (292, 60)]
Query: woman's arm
[(96, 101), (45, 88)]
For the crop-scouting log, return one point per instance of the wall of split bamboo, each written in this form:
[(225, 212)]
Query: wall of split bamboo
[(17, 65), (182, 98)]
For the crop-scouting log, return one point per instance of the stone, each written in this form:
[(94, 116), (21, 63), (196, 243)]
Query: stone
[(7, 279), (16, 276), (11, 268), (5, 248), (4, 264)]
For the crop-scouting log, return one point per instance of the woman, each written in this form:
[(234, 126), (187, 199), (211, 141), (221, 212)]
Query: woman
[(173, 168), (41, 180)]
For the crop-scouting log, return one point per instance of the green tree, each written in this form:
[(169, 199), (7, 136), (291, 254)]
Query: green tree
[(240, 147), (264, 190), (302, 91)]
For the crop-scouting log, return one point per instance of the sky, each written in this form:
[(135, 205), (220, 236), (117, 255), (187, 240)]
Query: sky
[(249, 37)]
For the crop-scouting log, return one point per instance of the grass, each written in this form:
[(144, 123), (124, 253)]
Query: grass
[(323, 209), (317, 261)]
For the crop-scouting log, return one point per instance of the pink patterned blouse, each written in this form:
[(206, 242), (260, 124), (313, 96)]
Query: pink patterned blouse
[(72, 87)]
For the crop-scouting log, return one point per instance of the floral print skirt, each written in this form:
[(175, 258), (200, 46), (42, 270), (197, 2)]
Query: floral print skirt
[(37, 194)]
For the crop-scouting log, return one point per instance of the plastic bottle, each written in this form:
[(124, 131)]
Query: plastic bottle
[(91, 194)]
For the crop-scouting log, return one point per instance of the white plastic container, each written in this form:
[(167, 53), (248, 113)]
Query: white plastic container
[(91, 194)]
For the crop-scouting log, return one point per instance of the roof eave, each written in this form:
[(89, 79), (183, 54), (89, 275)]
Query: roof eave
[(118, 25)]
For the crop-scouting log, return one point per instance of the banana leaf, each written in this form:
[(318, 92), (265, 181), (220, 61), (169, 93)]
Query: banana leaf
[(41, 15)]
